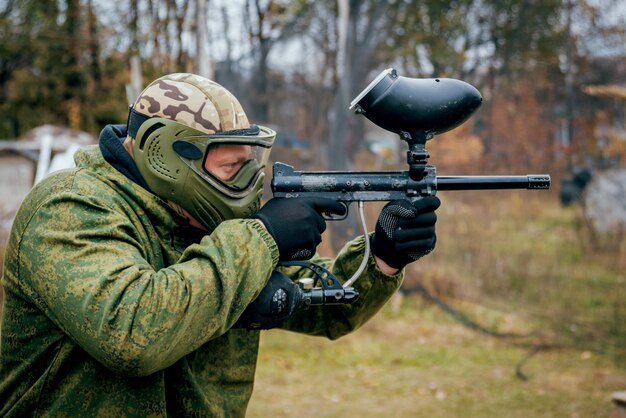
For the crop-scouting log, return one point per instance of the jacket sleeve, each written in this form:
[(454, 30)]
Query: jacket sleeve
[(85, 265), (374, 287)]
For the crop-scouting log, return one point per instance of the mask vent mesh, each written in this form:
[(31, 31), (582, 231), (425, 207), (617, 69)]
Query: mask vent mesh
[(156, 160), (149, 132)]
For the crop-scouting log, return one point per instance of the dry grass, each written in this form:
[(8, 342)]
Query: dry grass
[(419, 363)]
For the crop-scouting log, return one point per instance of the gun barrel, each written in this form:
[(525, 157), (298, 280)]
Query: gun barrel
[(348, 186), (529, 182)]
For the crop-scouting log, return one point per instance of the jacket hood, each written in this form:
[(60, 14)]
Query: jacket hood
[(90, 158)]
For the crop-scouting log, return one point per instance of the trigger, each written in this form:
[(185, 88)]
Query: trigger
[(334, 217)]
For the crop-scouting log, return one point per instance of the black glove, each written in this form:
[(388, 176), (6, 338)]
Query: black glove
[(278, 300), (297, 224), (405, 232)]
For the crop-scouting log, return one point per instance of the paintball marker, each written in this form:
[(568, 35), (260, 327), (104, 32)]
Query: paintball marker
[(416, 110)]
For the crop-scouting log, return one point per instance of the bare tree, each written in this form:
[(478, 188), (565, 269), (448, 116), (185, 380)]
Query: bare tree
[(203, 63), (269, 23)]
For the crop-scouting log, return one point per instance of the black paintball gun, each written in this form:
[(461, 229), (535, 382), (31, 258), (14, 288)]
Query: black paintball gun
[(415, 109)]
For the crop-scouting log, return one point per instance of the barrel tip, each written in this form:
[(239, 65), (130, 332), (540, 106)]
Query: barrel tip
[(539, 181)]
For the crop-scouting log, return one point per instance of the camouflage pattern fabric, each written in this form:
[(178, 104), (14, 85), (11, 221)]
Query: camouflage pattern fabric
[(114, 307), (193, 101)]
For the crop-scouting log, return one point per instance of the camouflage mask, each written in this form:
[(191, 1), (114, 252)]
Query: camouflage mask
[(179, 123)]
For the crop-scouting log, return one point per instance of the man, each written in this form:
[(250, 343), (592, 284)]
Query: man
[(124, 277)]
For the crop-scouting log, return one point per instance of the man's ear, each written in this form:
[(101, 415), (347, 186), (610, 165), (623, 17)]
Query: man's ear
[(128, 146)]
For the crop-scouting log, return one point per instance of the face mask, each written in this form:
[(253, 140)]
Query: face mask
[(173, 160)]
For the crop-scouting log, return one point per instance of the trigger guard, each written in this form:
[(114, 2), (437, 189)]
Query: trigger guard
[(332, 217)]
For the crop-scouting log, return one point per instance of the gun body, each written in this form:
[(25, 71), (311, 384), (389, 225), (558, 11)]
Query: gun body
[(347, 187)]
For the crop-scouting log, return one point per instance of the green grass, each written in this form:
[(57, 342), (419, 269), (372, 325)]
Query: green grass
[(513, 263)]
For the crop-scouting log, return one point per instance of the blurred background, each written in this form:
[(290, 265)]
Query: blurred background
[(520, 311)]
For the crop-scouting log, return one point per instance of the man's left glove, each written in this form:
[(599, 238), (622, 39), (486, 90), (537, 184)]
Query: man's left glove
[(405, 232)]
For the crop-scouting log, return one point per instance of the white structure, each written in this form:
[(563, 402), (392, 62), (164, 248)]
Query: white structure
[(25, 162)]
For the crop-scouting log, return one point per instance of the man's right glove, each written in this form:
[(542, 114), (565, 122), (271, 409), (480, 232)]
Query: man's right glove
[(297, 224), (278, 300), (405, 232)]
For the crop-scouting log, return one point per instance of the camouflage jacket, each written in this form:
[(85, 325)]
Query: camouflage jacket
[(113, 307)]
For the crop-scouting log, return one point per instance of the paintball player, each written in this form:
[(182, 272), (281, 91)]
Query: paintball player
[(124, 278)]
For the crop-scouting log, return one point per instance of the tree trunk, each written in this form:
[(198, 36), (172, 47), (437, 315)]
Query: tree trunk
[(203, 66)]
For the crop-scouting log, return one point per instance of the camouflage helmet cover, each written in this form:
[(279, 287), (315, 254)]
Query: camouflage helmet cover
[(181, 116), (194, 101)]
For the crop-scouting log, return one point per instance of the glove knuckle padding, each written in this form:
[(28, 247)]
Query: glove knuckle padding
[(391, 215), (276, 302), (405, 231)]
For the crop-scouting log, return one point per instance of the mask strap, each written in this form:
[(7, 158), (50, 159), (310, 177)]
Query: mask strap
[(252, 130), (135, 120)]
